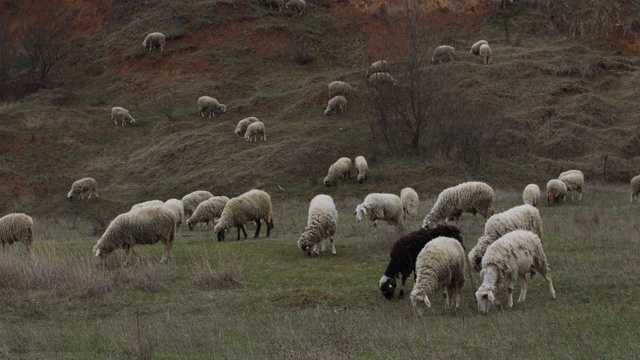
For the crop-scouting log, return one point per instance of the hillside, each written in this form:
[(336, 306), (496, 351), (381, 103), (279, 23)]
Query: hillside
[(552, 102)]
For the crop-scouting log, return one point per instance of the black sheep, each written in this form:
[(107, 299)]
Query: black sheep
[(405, 252)]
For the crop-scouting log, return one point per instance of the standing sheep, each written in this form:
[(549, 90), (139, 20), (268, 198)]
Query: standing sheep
[(485, 54), (340, 88), (146, 204), (253, 205), (439, 266), (280, 4), (80, 187), (380, 66), (191, 201), (556, 192), (531, 195), (475, 48), (16, 227), (207, 211), (241, 129), (321, 224), (386, 207), (574, 181), (362, 168), (523, 217), (443, 51), (178, 208), (256, 131), (122, 114), (207, 106), (145, 226), (570, 172), (381, 78), (341, 169), (336, 103), (155, 39), (410, 201), (297, 5), (513, 256), (635, 187), (404, 254), (471, 197)]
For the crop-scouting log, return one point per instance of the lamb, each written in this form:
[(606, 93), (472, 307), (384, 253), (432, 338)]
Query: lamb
[(122, 114), (362, 168), (80, 187), (145, 226), (192, 200), (410, 200), (404, 254), (336, 103), (297, 5), (443, 51), (475, 48), (208, 210), (321, 224), (339, 169), (208, 105), (178, 208), (381, 78), (16, 227), (241, 129), (531, 195), (376, 206), (380, 66), (485, 54), (635, 187), (253, 205), (472, 197), (340, 88), (439, 266), (556, 191), (574, 181), (154, 39), (523, 217), (280, 4), (512, 256), (256, 131), (145, 204)]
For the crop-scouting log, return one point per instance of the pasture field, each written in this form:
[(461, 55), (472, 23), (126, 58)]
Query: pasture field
[(263, 299)]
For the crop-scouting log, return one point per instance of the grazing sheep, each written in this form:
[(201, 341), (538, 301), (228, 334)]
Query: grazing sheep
[(256, 131), (79, 187), (404, 254), (380, 66), (471, 197), (16, 227), (513, 256), (386, 207), (208, 106), (443, 51), (439, 266), (241, 129), (362, 168), (574, 181), (531, 195), (635, 187), (475, 48), (145, 226), (208, 210), (341, 169), (192, 200), (253, 205), (340, 88), (321, 224), (556, 191), (485, 54), (122, 114), (570, 172), (297, 5), (280, 4), (523, 217), (410, 201), (178, 208), (145, 204), (336, 103), (155, 39), (381, 78)]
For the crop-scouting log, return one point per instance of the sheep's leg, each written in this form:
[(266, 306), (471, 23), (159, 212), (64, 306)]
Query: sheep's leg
[(547, 278), (322, 247), (525, 285), (404, 281), (333, 247), (580, 195), (166, 252), (458, 295), (206, 225), (258, 228), (510, 292)]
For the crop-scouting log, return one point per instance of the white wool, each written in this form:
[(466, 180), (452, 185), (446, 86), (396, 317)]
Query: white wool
[(410, 201), (385, 207), (485, 54), (16, 227), (341, 169), (207, 106), (475, 48), (256, 131), (336, 104), (321, 224), (82, 186), (340, 88), (556, 191), (297, 5), (122, 114), (471, 197), (531, 195), (362, 168), (241, 129), (377, 67), (154, 39), (443, 51)]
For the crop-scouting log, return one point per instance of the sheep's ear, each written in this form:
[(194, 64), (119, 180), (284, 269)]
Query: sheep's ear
[(427, 302)]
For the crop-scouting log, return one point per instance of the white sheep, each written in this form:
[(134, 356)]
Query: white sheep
[(208, 105), (241, 129), (256, 131), (410, 201), (556, 191), (208, 211), (191, 201), (513, 256), (570, 172), (574, 181), (155, 39), (439, 267), (178, 208), (531, 195), (341, 169), (378, 67), (16, 227), (362, 168), (80, 187), (145, 226), (297, 5), (335, 104), (122, 114), (321, 224), (254, 205), (146, 204), (443, 51), (523, 217), (485, 54), (280, 4), (340, 88), (471, 197), (376, 206), (635, 187), (381, 78), (475, 48)]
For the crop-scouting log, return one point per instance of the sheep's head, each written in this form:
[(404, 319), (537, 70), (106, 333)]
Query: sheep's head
[(132, 121), (361, 178), (328, 181), (429, 224), (222, 108), (304, 245), (360, 212), (387, 286), (191, 224), (70, 195), (420, 302), (485, 297), (99, 254)]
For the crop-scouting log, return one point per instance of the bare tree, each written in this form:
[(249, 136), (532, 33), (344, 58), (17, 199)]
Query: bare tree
[(7, 56)]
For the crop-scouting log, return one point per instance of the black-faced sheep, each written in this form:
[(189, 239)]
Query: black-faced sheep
[(340, 88), (241, 129), (531, 195), (443, 52), (380, 66), (574, 181), (254, 205), (82, 186), (297, 5), (471, 197), (208, 211), (122, 114), (362, 168), (385, 207), (256, 131), (321, 224), (207, 106), (556, 192), (341, 169), (155, 39), (336, 104), (191, 201), (635, 187), (410, 201), (16, 227), (475, 48)]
